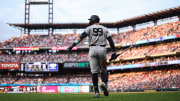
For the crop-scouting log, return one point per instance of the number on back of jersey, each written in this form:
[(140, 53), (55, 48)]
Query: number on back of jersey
[(97, 31)]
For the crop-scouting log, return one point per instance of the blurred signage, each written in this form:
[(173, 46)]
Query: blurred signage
[(9, 65), (53, 67), (69, 89), (83, 89), (155, 39), (41, 67), (160, 63), (177, 35), (76, 65), (15, 89), (62, 48), (31, 89), (49, 89), (25, 48)]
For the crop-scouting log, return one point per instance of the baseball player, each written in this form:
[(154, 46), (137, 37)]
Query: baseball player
[(98, 36)]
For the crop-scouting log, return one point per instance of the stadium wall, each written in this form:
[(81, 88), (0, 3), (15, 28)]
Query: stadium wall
[(45, 88)]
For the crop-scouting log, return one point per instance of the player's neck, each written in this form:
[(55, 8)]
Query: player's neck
[(96, 23)]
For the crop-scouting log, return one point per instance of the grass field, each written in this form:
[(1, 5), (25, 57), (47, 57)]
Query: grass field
[(159, 96)]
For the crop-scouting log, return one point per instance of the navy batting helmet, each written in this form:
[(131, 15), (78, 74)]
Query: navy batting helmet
[(94, 19)]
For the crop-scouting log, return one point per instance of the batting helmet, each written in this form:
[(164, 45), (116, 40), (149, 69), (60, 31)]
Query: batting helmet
[(94, 19)]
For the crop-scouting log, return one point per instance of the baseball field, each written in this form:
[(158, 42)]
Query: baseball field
[(158, 96)]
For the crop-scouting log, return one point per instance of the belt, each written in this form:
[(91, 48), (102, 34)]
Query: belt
[(99, 45)]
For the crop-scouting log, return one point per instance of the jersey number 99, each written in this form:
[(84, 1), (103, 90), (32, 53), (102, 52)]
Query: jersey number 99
[(97, 31)]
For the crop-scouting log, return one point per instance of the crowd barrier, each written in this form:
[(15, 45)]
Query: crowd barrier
[(45, 88)]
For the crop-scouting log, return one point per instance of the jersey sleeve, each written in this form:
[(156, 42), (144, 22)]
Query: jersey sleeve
[(108, 34), (87, 31)]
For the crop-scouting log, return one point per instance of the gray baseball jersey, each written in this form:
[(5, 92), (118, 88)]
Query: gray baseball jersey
[(98, 35)]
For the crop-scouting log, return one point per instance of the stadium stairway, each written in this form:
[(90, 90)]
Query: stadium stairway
[(20, 60), (16, 79), (174, 29), (60, 41), (174, 49), (9, 42), (153, 29), (68, 79), (49, 57), (37, 39), (177, 27)]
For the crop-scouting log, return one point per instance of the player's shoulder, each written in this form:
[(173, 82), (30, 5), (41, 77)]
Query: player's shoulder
[(104, 27), (88, 27), (96, 26)]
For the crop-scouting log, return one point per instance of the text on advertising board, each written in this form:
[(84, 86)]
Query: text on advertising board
[(10, 65)]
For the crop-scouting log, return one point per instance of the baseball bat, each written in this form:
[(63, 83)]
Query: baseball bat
[(121, 53)]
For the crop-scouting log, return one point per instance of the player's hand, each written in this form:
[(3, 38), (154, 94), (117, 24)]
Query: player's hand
[(113, 56), (69, 48)]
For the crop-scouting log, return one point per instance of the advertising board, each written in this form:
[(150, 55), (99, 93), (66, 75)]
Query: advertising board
[(9, 65), (49, 89), (69, 89)]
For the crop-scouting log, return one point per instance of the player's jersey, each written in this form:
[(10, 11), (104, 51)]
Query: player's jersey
[(97, 34)]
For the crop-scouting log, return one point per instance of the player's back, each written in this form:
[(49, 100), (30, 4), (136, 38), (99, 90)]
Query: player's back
[(97, 34)]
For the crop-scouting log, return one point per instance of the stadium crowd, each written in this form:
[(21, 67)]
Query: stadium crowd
[(7, 79), (85, 78), (27, 80), (130, 37), (35, 41), (153, 77), (123, 38), (118, 81), (145, 80), (10, 58), (140, 80), (63, 57), (35, 58), (56, 79), (73, 56), (157, 59), (151, 50), (162, 48)]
